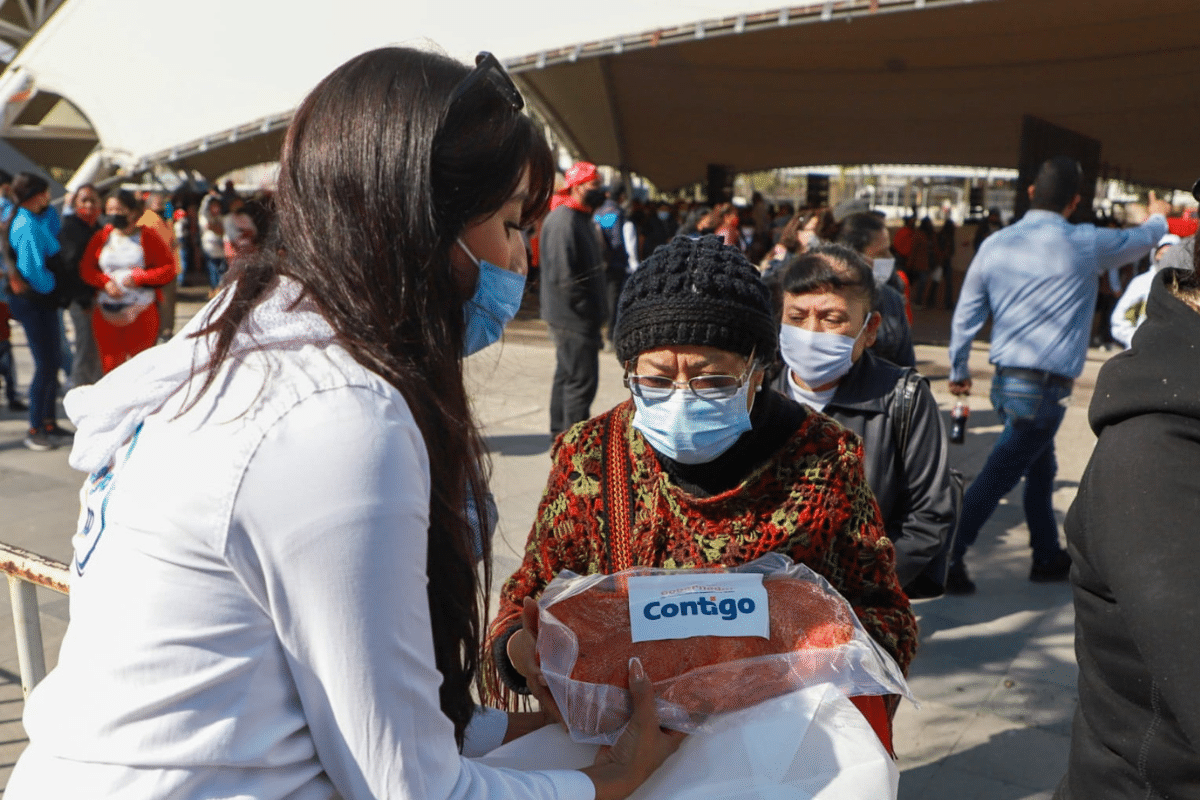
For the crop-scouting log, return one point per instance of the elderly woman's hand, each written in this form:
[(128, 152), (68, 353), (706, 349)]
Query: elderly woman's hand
[(522, 652)]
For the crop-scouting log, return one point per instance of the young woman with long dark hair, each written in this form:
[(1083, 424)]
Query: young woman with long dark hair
[(301, 616)]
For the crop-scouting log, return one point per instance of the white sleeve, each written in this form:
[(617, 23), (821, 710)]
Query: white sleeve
[(485, 732), (1120, 324), (330, 524), (630, 235)]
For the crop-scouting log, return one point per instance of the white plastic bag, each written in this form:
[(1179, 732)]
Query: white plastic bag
[(812, 744), (597, 711)]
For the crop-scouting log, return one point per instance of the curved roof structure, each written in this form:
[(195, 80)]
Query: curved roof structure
[(229, 106), (642, 85), (21, 19), (48, 129), (884, 81)]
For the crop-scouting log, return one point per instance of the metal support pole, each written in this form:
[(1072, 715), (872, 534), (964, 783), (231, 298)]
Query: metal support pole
[(28, 627)]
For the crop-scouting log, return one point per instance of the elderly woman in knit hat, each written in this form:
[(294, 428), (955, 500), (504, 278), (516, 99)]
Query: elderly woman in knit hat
[(702, 465)]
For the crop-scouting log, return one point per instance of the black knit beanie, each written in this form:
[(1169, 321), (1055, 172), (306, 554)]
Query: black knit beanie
[(696, 292)]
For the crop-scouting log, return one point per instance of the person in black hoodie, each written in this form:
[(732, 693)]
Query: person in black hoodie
[(1132, 536), (77, 230)]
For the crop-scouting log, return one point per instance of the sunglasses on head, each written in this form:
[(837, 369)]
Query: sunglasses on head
[(489, 68)]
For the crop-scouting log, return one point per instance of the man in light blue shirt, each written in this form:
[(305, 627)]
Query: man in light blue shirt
[(1038, 281)]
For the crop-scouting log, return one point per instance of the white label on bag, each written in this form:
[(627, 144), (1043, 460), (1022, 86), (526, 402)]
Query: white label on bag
[(701, 604)]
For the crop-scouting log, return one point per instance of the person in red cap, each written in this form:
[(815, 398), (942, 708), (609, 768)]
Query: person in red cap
[(581, 173), (572, 296)]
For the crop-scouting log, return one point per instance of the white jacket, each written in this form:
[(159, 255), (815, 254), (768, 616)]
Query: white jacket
[(1130, 309), (248, 601)]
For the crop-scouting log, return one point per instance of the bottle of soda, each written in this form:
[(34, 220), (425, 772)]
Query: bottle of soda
[(958, 422)]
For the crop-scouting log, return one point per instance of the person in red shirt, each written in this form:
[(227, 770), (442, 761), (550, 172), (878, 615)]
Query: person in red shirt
[(902, 242), (127, 262)]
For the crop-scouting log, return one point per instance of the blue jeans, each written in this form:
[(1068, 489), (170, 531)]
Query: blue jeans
[(185, 262), (216, 270), (41, 330), (1031, 412)]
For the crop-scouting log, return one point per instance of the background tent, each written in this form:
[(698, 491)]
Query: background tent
[(663, 88), (219, 80), (911, 81)]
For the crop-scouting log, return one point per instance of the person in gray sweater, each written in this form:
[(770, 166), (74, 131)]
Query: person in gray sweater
[(572, 296)]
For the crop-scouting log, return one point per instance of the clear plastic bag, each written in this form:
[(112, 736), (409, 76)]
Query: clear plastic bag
[(584, 644)]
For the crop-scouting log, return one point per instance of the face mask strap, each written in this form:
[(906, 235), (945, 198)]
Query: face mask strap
[(866, 322), (467, 250)]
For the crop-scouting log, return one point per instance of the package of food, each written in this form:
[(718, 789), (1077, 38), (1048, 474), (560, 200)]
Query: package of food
[(710, 640)]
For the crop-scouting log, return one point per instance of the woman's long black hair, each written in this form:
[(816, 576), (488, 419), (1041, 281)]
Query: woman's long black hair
[(378, 176)]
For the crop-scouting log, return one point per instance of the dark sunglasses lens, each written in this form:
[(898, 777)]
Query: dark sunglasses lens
[(493, 70)]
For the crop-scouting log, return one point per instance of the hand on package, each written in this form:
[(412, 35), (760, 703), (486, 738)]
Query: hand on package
[(642, 748), (522, 652)]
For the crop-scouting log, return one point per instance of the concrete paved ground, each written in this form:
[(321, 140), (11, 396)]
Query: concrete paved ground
[(995, 673)]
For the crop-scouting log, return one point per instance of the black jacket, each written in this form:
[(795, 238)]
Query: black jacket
[(73, 239), (572, 273), (894, 338), (1134, 536), (913, 488)]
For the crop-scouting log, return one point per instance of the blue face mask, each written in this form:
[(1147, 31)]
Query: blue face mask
[(497, 299), (692, 430)]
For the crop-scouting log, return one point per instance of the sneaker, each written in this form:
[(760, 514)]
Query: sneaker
[(1055, 568), (39, 440), (60, 435), (958, 581), (17, 405)]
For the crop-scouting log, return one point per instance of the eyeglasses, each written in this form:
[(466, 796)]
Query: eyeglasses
[(706, 387), (489, 68)]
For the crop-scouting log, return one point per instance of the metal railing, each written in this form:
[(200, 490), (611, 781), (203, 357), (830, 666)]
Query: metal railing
[(26, 571)]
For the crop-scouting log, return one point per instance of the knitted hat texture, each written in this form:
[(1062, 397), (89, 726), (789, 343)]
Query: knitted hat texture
[(696, 292)]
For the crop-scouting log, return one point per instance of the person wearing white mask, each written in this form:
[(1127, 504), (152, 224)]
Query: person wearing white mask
[(826, 300), (866, 234), (702, 466)]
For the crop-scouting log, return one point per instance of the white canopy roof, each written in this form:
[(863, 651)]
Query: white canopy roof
[(256, 60), (663, 87)]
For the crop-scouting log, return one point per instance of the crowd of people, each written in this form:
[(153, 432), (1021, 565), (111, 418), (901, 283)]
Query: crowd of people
[(844, 288), (112, 265), (228, 638)]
